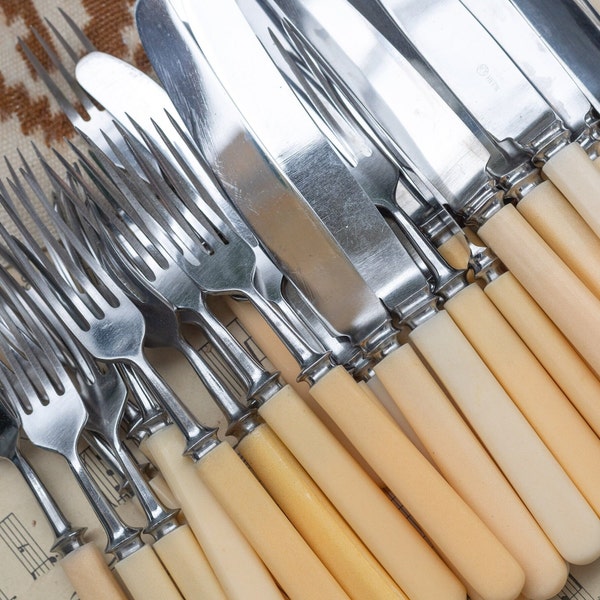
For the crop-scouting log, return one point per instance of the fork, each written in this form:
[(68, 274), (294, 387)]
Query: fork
[(95, 118), (78, 558), (99, 313), (389, 535), (53, 415)]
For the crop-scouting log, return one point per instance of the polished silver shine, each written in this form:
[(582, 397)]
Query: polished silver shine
[(271, 166), (395, 97)]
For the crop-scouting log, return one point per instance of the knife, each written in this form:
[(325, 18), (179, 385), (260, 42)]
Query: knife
[(464, 183), (369, 246), (554, 219), (356, 416)]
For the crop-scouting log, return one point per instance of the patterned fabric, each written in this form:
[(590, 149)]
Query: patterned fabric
[(27, 111)]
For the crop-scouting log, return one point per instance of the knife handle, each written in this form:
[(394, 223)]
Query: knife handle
[(473, 551), (240, 572), (573, 172), (334, 542), (549, 345), (559, 292), (145, 577), (552, 498), (90, 576), (394, 542), (188, 566), (294, 565), (465, 464), (564, 230), (538, 397)]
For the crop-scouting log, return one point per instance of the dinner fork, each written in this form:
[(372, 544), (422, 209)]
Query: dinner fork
[(389, 535), (95, 118), (82, 562), (96, 312), (53, 415)]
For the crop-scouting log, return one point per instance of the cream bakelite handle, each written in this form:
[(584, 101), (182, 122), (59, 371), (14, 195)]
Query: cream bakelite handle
[(188, 566), (563, 229), (559, 292), (145, 578), (545, 406), (240, 572), (294, 565), (469, 469), (549, 345), (540, 481), (319, 523), (394, 542), (90, 576), (572, 171), (285, 363), (473, 551)]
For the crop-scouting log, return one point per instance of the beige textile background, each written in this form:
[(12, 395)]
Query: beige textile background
[(27, 111)]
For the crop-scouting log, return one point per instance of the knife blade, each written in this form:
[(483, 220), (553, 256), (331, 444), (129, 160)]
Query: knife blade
[(287, 131), (287, 226)]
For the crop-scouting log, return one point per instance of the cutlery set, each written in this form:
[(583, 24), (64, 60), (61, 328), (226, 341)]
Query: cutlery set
[(399, 200)]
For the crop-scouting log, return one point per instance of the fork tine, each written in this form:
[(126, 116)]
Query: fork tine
[(170, 207), (70, 80), (108, 199), (64, 103), (84, 40), (193, 194)]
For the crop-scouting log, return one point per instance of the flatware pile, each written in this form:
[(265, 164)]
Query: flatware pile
[(400, 202)]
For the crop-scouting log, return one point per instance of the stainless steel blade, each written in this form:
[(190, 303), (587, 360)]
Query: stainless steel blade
[(478, 71), (394, 98), (525, 47), (296, 144), (304, 248), (572, 36)]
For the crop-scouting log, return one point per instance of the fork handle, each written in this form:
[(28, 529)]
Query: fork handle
[(145, 577), (573, 172), (542, 402), (474, 552), (396, 544), (90, 576), (549, 345), (470, 470), (565, 231), (559, 292), (187, 564), (319, 523), (294, 565), (537, 477), (241, 573)]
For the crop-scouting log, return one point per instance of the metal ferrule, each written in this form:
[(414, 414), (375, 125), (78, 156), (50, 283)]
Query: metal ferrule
[(160, 529), (589, 139), (520, 181), (201, 448), (487, 201), (68, 542), (316, 370), (245, 424), (548, 143), (381, 342), (127, 547)]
